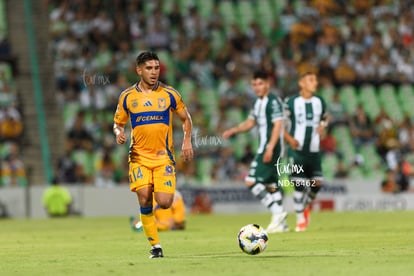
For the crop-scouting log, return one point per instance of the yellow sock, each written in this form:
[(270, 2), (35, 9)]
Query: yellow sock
[(150, 228)]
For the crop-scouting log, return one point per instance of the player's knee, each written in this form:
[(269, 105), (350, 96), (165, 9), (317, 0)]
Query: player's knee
[(165, 203), (271, 188), (249, 183)]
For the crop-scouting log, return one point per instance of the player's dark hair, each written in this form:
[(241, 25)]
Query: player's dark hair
[(146, 56), (260, 74)]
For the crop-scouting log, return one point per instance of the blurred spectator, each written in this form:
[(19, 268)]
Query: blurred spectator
[(6, 54), (247, 155), (389, 184), (78, 135), (13, 171), (337, 112), (342, 171), (11, 125), (406, 135), (67, 170), (57, 200), (344, 74), (362, 130), (387, 136), (106, 174), (202, 203), (329, 145)]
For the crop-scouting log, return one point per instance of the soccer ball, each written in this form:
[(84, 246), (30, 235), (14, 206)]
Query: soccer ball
[(252, 239)]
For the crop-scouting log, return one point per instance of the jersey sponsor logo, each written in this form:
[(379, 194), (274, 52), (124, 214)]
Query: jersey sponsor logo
[(168, 183), (150, 118)]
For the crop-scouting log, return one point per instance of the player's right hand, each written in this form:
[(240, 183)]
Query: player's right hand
[(121, 138), (294, 144), (227, 134)]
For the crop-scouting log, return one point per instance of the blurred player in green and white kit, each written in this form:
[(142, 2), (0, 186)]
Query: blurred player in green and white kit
[(262, 180), (307, 120)]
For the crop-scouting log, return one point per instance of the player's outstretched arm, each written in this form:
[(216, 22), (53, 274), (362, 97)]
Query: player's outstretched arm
[(119, 131), (187, 152), (248, 124)]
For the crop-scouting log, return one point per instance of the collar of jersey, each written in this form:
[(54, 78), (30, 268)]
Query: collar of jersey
[(153, 88)]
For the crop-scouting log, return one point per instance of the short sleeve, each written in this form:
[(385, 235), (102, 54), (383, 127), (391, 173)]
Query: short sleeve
[(121, 113), (277, 110), (177, 102)]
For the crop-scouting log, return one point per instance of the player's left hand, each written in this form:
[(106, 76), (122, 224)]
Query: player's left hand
[(267, 156), (187, 152), (320, 130)]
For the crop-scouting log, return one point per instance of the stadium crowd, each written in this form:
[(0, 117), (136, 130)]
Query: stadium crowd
[(353, 45), (12, 168)]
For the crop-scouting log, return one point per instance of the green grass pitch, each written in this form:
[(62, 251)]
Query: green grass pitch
[(376, 243)]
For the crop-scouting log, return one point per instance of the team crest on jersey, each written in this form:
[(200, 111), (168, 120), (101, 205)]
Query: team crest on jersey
[(161, 103), (168, 170), (134, 103)]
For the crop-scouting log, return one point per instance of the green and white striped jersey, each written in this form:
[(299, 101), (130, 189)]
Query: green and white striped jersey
[(304, 117), (265, 111)]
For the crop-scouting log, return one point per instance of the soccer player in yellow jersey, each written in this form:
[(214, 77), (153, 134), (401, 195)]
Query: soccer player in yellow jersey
[(149, 105)]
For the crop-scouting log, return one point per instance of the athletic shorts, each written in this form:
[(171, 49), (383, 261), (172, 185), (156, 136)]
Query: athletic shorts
[(162, 178), (265, 173), (305, 165)]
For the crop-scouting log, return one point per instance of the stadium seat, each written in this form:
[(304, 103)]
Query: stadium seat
[(217, 40), (368, 99), (348, 96), (69, 113), (265, 15), (5, 68), (204, 167), (186, 89), (327, 92), (246, 14), (406, 99), (329, 166), (3, 19), (228, 14), (279, 5), (89, 161), (205, 8), (371, 159), (388, 98)]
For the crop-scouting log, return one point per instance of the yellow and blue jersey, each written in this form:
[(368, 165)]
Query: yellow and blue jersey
[(151, 122)]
